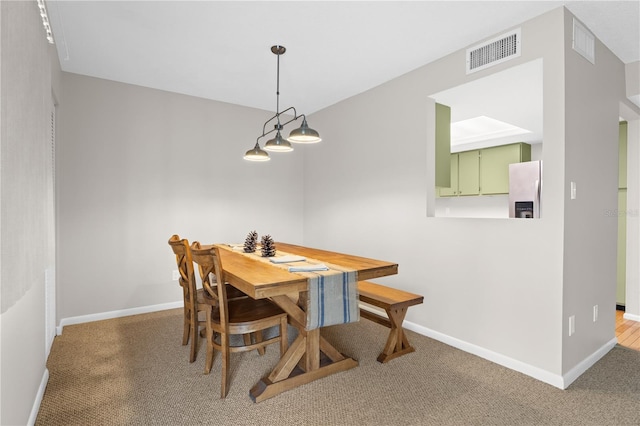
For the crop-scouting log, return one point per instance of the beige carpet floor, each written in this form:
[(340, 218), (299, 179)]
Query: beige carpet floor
[(133, 371)]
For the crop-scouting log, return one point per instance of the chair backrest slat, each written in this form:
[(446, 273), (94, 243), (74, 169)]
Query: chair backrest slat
[(208, 261), (180, 247)]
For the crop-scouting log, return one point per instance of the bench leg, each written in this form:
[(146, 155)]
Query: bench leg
[(397, 343)]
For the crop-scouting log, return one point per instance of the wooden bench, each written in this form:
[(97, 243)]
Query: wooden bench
[(395, 302)]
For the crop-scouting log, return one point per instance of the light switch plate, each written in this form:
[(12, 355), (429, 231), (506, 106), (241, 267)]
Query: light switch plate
[(572, 325)]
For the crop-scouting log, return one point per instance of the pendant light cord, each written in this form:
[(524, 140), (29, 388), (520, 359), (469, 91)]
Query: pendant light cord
[(278, 90)]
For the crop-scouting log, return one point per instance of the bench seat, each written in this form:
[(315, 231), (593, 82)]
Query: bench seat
[(395, 303)]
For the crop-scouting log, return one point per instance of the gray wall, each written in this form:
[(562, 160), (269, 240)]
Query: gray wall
[(593, 93), (478, 276), (498, 287), (26, 89), (136, 165)]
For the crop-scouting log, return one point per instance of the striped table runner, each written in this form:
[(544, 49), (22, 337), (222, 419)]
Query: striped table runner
[(333, 292), (333, 298)]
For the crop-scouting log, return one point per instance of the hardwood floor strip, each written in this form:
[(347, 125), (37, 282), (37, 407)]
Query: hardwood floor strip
[(627, 332)]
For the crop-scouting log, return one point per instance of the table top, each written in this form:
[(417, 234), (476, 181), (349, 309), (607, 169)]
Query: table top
[(260, 280)]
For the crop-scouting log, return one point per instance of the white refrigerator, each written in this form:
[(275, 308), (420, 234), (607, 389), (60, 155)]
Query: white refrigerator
[(525, 189)]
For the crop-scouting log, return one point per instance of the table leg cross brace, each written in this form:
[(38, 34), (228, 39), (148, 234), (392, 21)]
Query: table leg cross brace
[(397, 343)]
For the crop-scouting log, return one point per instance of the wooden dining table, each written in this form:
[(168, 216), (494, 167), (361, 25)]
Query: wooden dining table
[(310, 356)]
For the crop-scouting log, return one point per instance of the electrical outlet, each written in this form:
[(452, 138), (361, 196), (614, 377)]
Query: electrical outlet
[(176, 275), (573, 190), (572, 325), (595, 313)]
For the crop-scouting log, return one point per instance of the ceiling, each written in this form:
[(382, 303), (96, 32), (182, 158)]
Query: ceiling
[(220, 50), (512, 96)]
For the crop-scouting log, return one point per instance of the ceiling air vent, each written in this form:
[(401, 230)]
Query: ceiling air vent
[(584, 42), (494, 51)]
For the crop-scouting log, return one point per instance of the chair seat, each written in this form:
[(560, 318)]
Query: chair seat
[(232, 294), (243, 311)]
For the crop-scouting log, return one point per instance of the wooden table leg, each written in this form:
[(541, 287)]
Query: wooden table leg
[(312, 353), (397, 343), (303, 362), (265, 388), (289, 360)]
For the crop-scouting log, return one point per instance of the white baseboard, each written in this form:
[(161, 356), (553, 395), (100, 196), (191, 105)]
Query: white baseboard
[(583, 366), (631, 317), (36, 404), (116, 314), (556, 380)]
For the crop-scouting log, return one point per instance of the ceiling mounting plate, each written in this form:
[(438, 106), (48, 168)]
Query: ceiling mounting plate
[(278, 50)]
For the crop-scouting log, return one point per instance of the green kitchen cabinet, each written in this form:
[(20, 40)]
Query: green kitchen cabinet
[(484, 171), (464, 175), (453, 189), (494, 166), (469, 172), (443, 146)]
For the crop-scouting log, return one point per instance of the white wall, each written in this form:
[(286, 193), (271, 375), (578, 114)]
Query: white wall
[(632, 298), (503, 288), (492, 284), (593, 96), (136, 165), (26, 89)]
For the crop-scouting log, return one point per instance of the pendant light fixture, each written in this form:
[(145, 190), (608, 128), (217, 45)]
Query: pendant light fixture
[(303, 134)]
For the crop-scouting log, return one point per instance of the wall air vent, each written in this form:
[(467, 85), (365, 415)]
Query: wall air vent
[(494, 51), (584, 42)]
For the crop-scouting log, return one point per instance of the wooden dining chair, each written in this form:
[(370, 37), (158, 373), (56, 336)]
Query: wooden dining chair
[(193, 297), (226, 317)]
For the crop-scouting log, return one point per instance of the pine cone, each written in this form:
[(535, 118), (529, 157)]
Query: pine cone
[(268, 246), (250, 242)]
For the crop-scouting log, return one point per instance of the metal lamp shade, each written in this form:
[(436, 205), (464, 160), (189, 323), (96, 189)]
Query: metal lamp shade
[(256, 154), (304, 134), (278, 144)]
